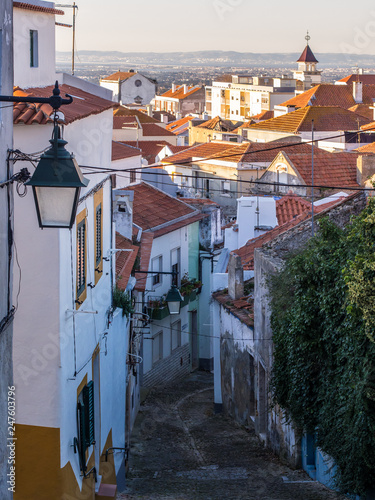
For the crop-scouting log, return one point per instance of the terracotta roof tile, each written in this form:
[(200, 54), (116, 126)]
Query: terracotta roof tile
[(330, 169), (177, 125), (158, 114), (179, 92), (366, 79), (369, 126), (220, 125), (155, 130), (247, 251), (149, 149), (38, 8), (119, 75), (142, 117), (121, 151), (363, 110), (326, 119), (243, 308), (124, 260), (289, 207), (177, 225), (367, 148), (120, 122), (145, 255), (153, 208), (83, 105)]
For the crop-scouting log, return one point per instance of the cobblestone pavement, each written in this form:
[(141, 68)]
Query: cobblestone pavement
[(181, 450)]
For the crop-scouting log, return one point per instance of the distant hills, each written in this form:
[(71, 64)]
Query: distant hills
[(216, 58)]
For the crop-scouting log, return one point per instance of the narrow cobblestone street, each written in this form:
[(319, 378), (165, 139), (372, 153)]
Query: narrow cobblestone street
[(181, 450)]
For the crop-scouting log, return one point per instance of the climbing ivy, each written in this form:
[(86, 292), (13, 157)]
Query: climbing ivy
[(323, 322)]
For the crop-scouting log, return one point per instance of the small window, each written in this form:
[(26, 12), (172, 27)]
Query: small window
[(81, 259), (157, 265), (176, 266), (133, 176), (175, 335), (138, 83), (225, 187), (34, 49), (157, 347)]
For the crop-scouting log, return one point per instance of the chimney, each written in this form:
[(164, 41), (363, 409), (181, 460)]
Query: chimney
[(235, 277), (185, 88), (178, 115), (149, 109), (357, 92), (123, 212), (173, 87)]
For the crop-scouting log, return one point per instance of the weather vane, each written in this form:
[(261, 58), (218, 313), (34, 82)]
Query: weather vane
[(307, 37)]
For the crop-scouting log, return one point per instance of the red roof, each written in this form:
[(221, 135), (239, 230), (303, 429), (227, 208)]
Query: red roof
[(247, 251), (142, 117), (326, 119), (121, 151), (155, 130), (120, 122), (119, 75), (330, 169), (179, 92), (153, 208), (149, 149), (176, 125), (220, 125), (289, 207), (307, 56), (124, 260), (368, 148), (38, 8), (366, 79), (83, 105)]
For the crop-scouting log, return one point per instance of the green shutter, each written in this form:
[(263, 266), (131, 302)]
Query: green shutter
[(82, 434), (88, 402)]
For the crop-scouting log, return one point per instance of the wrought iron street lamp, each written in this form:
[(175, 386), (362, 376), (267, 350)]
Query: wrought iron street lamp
[(174, 297), (57, 180)]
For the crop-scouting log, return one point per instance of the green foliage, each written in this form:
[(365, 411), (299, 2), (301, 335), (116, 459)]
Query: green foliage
[(123, 301), (323, 322)]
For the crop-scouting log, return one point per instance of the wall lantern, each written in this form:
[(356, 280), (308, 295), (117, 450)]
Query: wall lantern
[(56, 184), (174, 300), (57, 180)]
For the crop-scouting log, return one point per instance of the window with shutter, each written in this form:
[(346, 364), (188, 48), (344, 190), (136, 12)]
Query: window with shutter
[(85, 422), (34, 49), (81, 255), (98, 205)]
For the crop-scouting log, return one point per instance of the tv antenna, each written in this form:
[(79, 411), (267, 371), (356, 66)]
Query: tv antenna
[(74, 7)]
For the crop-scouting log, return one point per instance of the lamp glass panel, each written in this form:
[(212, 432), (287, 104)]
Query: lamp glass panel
[(55, 205), (174, 307)]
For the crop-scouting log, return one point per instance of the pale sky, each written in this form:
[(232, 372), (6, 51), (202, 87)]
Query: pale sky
[(239, 25)]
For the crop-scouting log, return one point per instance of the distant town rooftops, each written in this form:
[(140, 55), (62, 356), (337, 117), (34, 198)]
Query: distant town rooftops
[(119, 75)]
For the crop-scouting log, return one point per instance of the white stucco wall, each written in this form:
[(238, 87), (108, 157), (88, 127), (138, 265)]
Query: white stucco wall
[(123, 178), (24, 21)]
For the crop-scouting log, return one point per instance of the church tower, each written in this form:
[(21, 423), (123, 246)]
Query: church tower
[(307, 75)]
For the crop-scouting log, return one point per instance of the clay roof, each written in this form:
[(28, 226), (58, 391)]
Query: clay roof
[(326, 119), (38, 8), (144, 264), (120, 122), (153, 208), (307, 56), (366, 79), (121, 151), (176, 126), (120, 75), (247, 251), (330, 169), (158, 114), (369, 126), (264, 115), (363, 110), (199, 202), (155, 130), (289, 207), (142, 117), (124, 260), (179, 92), (368, 148), (242, 308), (83, 105), (149, 149), (219, 124), (246, 152)]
